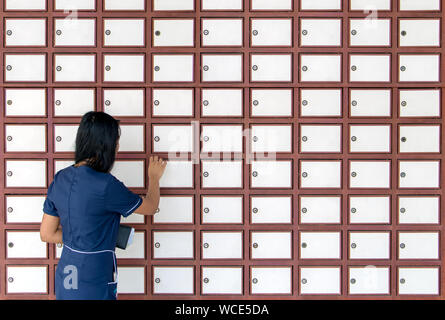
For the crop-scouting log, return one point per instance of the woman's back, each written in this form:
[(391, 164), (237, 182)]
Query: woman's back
[(89, 204)]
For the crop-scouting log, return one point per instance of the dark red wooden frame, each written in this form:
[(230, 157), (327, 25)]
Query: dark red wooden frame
[(246, 13)]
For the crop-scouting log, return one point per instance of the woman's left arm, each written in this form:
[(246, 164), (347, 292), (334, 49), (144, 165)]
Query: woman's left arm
[(50, 230)]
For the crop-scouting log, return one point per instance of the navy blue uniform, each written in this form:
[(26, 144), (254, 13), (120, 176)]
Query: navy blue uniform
[(90, 205)]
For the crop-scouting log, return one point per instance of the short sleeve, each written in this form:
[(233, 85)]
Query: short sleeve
[(120, 199), (49, 206)]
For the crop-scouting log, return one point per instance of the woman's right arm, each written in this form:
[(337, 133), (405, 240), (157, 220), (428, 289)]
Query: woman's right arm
[(151, 201)]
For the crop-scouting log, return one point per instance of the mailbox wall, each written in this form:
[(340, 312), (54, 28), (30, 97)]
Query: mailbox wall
[(347, 93)]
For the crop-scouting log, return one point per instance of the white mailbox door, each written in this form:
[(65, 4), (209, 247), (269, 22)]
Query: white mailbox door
[(369, 280), (320, 138), (222, 209), (172, 138), (25, 32), (271, 280), (173, 280), (75, 5), (25, 244), (27, 279), (128, 5), (65, 138), (326, 210), (173, 5), (222, 174), (172, 102), (423, 280), (131, 280), (24, 209), (419, 68), (382, 5), (222, 102), (268, 138), (369, 209), (419, 32), (370, 138), (271, 245), (320, 32), (173, 67), (271, 210), (25, 102), (320, 280), (366, 33), (271, 174), (419, 174), (418, 245), (271, 32), (271, 67), (124, 68), (124, 102), (74, 68), (225, 138), (73, 102), (424, 5), (173, 245), (177, 174), (226, 5), (79, 32), (417, 138), (269, 5), (131, 173), (222, 245), (320, 68), (173, 32), (320, 5), (419, 103), (419, 210), (25, 138), (370, 103), (25, 173), (369, 174), (271, 103), (174, 209), (222, 68), (320, 245), (222, 32), (132, 138), (25, 67), (20, 5), (61, 164), (369, 68), (320, 174), (321, 102), (136, 250), (222, 280), (124, 32), (369, 245)]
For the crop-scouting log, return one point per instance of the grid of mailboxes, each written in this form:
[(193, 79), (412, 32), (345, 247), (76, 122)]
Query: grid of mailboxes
[(339, 102)]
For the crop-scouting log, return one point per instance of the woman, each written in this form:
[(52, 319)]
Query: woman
[(88, 202)]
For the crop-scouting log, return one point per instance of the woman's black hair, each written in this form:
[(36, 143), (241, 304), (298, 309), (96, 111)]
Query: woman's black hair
[(96, 140)]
